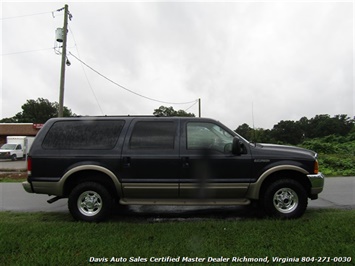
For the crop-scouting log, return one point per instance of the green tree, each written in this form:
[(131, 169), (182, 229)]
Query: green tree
[(37, 111), (169, 111), (245, 131), (262, 136), (292, 132), (344, 124), (324, 125), (254, 135), (287, 132)]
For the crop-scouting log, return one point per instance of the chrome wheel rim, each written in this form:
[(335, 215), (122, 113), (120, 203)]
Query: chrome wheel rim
[(89, 203), (285, 200)]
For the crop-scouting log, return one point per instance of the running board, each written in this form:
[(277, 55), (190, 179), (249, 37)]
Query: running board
[(189, 202), (50, 201)]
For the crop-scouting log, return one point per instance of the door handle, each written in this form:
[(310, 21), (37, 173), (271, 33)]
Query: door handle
[(185, 162), (126, 162)]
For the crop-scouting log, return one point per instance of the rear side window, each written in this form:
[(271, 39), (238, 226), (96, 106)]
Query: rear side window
[(153, 135), (83, 135)]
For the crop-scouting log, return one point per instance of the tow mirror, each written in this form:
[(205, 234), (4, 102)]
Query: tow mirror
[(236, 147)]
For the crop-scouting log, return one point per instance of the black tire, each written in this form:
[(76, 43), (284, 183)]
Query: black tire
[(285, 199), (90, 202), (14, 157)]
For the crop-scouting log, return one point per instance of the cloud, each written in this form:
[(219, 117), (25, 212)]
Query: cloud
[(288, 60)]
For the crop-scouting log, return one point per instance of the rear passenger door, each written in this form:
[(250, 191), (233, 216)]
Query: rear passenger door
[(150, 159)]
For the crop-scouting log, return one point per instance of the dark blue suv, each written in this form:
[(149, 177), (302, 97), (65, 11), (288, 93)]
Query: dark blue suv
[(96, 162)]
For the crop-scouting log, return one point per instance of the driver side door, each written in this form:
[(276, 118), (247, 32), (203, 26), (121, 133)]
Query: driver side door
[(209, 168)]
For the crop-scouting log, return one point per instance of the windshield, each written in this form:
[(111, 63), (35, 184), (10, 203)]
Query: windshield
[(8, 147)]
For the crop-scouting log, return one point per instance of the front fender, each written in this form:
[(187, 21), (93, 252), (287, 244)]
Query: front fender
[(254, 188)]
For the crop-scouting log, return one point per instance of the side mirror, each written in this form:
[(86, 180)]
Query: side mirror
[(236, 147), (228, 148)]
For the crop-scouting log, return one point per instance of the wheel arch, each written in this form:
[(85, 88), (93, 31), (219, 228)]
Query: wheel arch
[(278, 172), (91, 173)]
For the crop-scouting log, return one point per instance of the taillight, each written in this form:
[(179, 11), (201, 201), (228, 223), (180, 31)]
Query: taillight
[(316, 167), (29, 165)]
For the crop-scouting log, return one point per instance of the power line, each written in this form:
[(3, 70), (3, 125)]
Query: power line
[(36, 14), (29, 15), (29, 51), (86, 76), (122, 87), (191, 105)]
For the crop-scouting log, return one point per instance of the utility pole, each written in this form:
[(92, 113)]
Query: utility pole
[(64, 56), (199, 107)]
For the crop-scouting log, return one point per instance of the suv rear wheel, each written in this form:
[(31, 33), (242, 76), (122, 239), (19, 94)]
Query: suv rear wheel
[(90, 202), (285, 199)]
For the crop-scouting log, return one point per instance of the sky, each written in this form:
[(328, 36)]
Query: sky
[(249, 62)]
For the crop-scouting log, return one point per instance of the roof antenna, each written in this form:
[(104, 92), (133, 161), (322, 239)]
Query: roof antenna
[(252, 114)]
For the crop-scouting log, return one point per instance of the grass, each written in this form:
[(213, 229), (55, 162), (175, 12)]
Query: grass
[(337, 164), (55, 239), (336, 154), (12, 180), (16, 176)]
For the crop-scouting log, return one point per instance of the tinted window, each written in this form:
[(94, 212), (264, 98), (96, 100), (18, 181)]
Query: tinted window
[(207, 136), (153, 135), (83, 135)]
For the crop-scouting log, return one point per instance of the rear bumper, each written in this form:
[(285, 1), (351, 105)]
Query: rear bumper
[(317, 183), (43, 187), (27, 187)]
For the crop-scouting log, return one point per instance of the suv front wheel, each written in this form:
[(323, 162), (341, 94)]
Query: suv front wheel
[(90, 202), (285, 199)]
